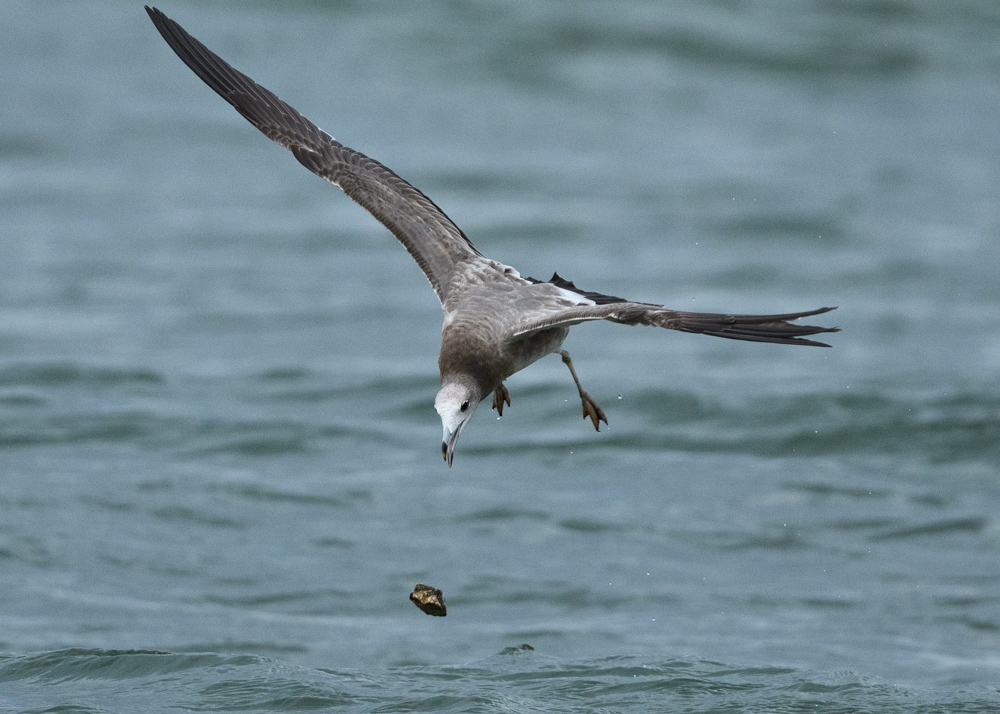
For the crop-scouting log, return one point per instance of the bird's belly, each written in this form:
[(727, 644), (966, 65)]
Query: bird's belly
[(531, 349)]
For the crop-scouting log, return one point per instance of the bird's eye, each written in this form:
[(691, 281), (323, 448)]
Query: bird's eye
[(465, 406)]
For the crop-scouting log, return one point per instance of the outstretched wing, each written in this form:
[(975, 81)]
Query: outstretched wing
[(550, 310), (434, 241)]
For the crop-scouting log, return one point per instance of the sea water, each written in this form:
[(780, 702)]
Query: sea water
[(220, 471)]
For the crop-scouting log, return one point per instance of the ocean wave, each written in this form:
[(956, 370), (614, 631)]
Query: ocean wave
[(962, 426), (515, 679), (64, 374), (289, 412)]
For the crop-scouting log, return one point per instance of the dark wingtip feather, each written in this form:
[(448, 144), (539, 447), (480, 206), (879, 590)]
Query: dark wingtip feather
[(776, 329), (156, 15)]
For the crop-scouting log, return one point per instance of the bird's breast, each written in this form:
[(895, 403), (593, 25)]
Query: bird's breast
[(477, 346)]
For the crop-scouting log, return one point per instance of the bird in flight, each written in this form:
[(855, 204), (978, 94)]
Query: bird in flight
[(496, 322)]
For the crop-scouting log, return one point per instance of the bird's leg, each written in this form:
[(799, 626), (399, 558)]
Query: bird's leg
[(500, 395), (590, 407)]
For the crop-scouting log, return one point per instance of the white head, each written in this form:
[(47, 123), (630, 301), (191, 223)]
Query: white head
[(456, 402)]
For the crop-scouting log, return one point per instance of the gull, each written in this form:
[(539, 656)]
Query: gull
[(496, 322)]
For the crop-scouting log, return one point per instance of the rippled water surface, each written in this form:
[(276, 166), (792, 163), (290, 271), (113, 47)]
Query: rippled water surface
[(220, 471)]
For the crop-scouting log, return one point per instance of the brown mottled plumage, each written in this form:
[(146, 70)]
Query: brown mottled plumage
[(495, 321)]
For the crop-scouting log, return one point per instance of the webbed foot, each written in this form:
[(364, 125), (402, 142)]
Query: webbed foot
[(592, 410), (500, 395)]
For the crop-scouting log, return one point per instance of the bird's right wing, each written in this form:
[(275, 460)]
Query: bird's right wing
[(434, 241)]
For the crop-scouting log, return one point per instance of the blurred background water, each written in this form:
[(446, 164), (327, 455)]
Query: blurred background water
[(220, 470)]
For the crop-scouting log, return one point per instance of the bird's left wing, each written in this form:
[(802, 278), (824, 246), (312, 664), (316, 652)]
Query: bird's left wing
[(434, 241), (551, 310)]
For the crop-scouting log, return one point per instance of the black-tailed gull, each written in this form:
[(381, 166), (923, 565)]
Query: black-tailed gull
[(496, 322)]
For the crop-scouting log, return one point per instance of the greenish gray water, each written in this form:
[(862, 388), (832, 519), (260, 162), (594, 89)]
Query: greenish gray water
[(219, 460), (516, 679)]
